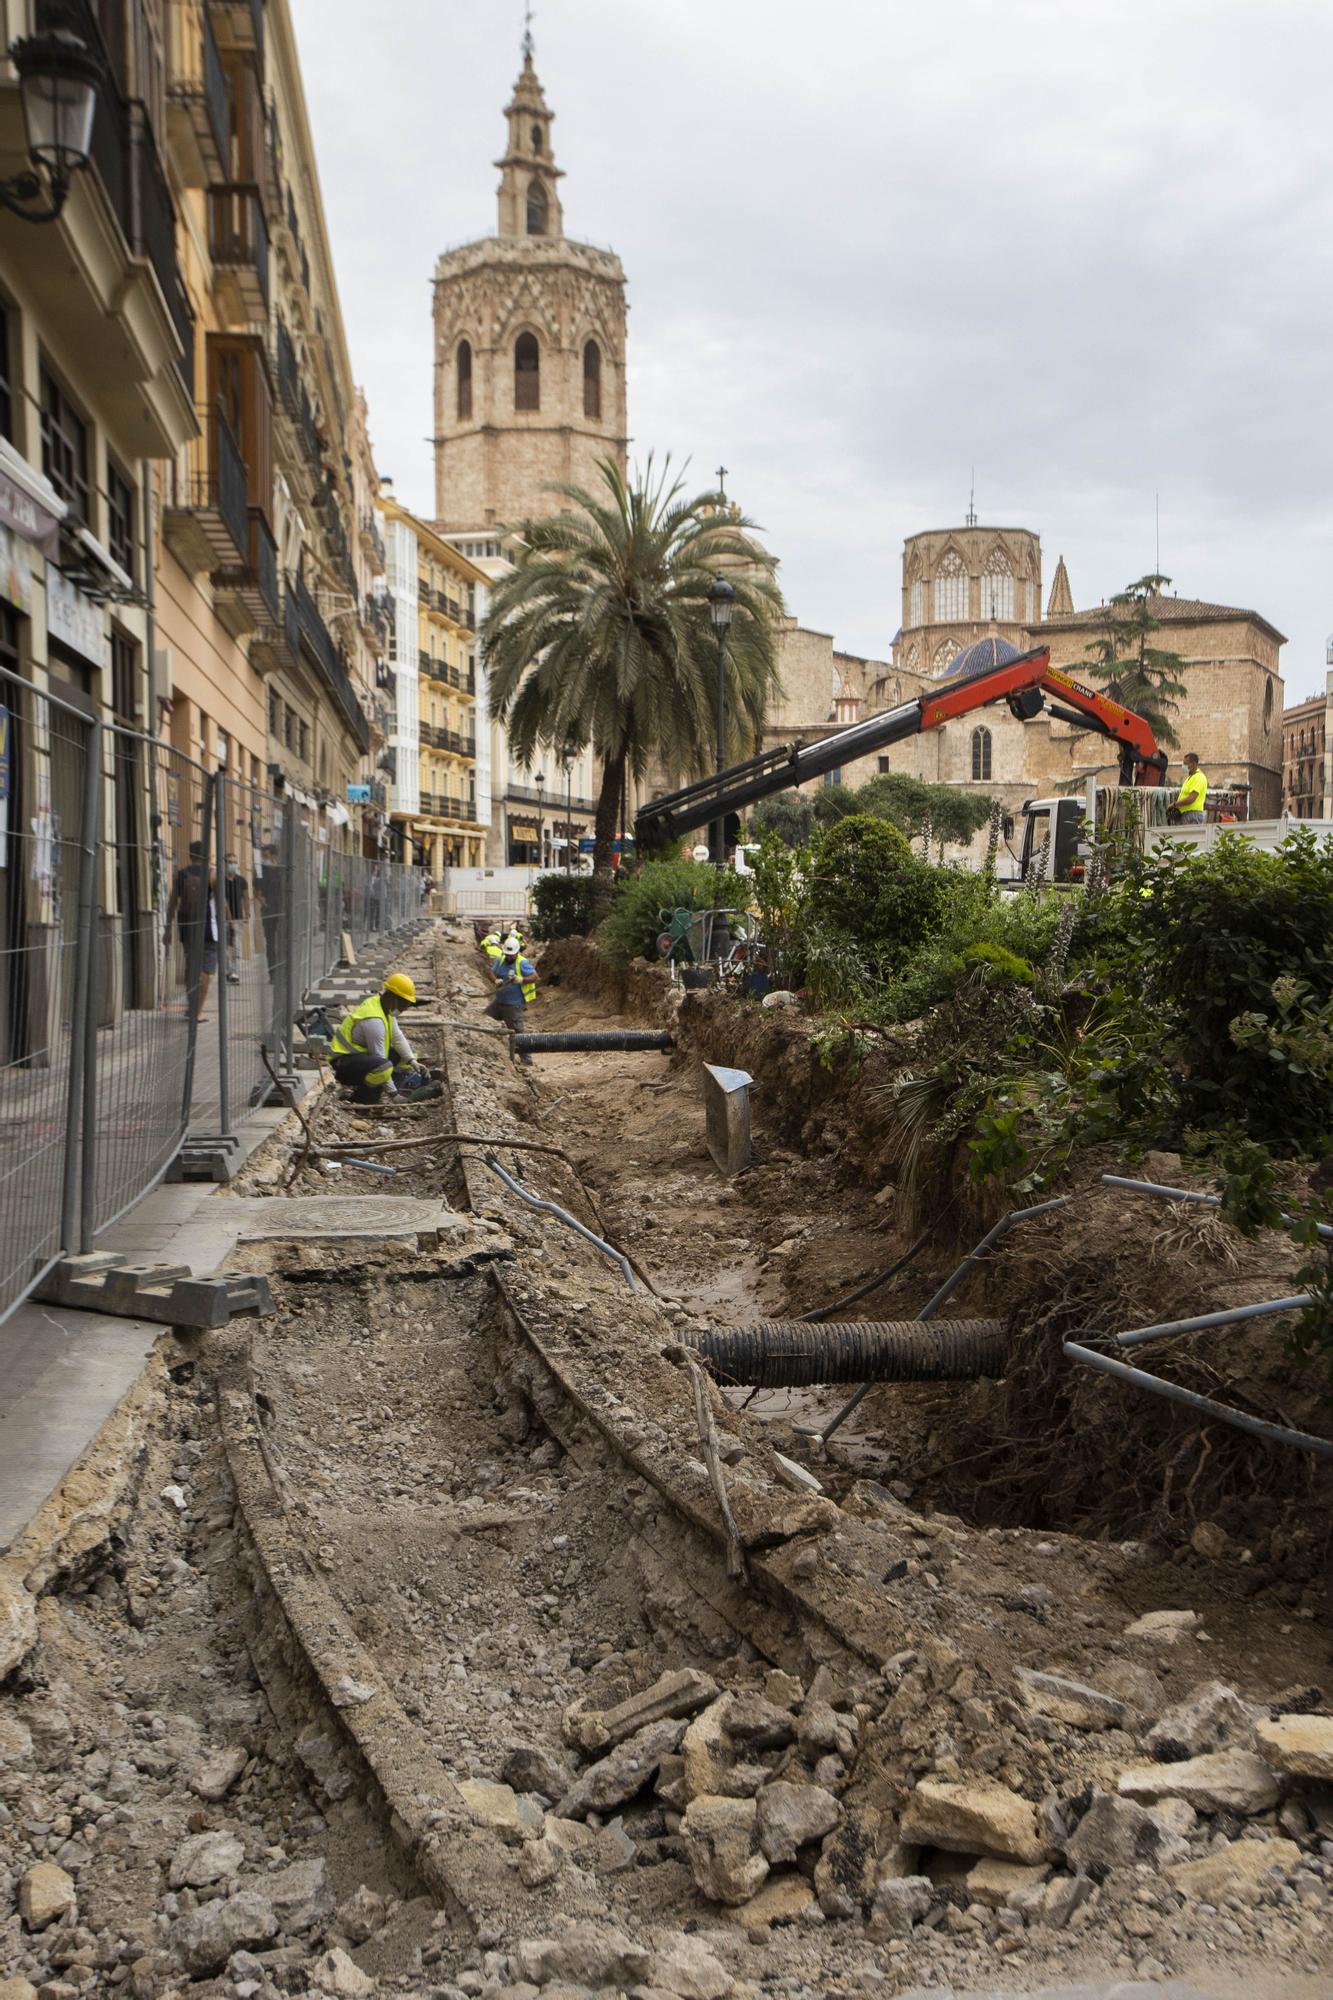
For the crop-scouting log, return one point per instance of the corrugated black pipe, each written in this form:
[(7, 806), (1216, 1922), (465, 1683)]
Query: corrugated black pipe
[(621, 1039), (785, 1354)]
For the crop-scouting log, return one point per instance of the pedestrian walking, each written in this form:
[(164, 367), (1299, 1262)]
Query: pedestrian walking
[(272, 884), (192, 906), (236, 890)]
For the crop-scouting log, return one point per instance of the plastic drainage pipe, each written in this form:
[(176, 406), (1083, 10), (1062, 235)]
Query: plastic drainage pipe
[(1230, 1316), (623, 1040), (1258, 1427), (791, 1354), (1323, 1229), (563, 1215)]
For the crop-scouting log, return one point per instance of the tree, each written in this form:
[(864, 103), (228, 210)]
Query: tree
[(790, 815), (601, 634), (1142, 676)]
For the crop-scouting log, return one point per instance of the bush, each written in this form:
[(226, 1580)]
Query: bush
[(561, 906), (789, 815), (974, 918), (779, 893), (633, 924), (867, 885)]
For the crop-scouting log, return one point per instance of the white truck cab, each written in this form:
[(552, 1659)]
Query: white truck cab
[(1054, 849)]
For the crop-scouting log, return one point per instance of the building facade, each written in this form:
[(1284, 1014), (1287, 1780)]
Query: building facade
[(1307, 754), (529, 345), (273, 636), (440, 800)]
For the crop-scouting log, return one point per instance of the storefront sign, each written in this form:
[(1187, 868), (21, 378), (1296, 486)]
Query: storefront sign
[(525, 830), (28, 518), (358, 795), (15, 571), (75, 620)]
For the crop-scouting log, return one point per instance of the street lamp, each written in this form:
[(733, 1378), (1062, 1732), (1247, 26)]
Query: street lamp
[(721, 604), (567, 756), (58, 82), (540, 779)]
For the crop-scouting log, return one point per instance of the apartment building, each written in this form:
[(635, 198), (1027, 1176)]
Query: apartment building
[(434, 602), (270, 623), (1307, 754)]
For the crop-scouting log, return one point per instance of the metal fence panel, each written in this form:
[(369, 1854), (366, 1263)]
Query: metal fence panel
[(155, 953), (47, 766)]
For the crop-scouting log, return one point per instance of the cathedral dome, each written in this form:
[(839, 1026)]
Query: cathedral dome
[(980, 658)]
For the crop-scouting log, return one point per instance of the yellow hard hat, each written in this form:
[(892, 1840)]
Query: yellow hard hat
[(403, 987)]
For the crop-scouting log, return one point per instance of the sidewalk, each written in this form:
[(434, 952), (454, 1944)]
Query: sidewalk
[(62, 1373)]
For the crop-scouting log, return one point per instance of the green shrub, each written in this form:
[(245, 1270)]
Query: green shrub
[(867, 884), (633, 924), (789, 815), (561, 905), (780, 898)]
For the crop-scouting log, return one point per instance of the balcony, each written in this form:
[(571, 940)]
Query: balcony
[(238, 242), (105, 272), (204, 516), (240, 25), (319, 648), (198, 104), (245, 594), (372, 542), (278, 644)]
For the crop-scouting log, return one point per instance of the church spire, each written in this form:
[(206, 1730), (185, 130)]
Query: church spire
[(529, 191), (1060, 603)]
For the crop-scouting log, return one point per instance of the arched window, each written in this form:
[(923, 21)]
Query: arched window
[(916, 603), (997, 588), (950, 588), (465, 378), (527, 373), (538, 207), (592, 381), (980, 754), (945, 654), (536, 138)]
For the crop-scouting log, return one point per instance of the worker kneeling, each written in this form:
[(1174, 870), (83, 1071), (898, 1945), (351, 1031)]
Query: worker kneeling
[(515, 988), (371, 1053)]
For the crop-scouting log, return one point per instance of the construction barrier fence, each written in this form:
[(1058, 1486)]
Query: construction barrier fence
[(160, 928)]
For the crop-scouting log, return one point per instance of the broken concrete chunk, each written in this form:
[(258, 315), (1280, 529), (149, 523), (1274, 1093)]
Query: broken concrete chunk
[(691, 1971), (722, 1847), (1063, 1895), (217, 1774), (46, 1893), (1225, 1781), (321, 1758), (540, 1863), (1238, 1869), (1212, 1717), (706, 1748), (206, 1938), (1166, 1627), (791, 1816), (820, 1728), (782, 1900), (586, 1954), (492, 1806), (845, 1874), (783, 1690), (673, 1695), (1070, 1702), (529, 1769), (997, 1883), (972, 1819), (205, 1858), (623, 1772), (899, 1905), (1299, 1745), (759, 1724), (337, 1975), (1116, 1833), (362, 1915), (302, 1895)]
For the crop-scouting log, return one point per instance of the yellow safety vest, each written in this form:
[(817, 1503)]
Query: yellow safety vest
[(493, 946), (1193, 794), (527, 985), (343, 1044)]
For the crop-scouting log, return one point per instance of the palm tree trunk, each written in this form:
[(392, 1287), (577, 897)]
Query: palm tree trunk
[(604, 834)]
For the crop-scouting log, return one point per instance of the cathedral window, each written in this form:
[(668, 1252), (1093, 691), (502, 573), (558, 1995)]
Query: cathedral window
[(997, 588), (916, 603), (465, 378), (592, 381), (538, 208), (945, 655), (980, 754), (536, 138), (527, 373), (950, 588)]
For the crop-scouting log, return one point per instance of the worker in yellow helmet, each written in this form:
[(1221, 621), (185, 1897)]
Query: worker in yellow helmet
[(373, 1056), (1193, 794), (493, 945)]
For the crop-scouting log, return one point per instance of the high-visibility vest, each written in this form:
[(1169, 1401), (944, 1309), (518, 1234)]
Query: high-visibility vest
[(344, 1045), (493, 946), (524, 977), (1193, 795)]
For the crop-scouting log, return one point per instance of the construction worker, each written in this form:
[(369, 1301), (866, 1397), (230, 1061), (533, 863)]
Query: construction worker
[(369, 1050), (1193, 794), (493, 946), (516, 989)]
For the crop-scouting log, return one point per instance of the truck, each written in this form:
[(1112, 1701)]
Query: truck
[(1054, 843)]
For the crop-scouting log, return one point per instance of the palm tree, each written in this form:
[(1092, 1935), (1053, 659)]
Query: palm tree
[(601, 635)]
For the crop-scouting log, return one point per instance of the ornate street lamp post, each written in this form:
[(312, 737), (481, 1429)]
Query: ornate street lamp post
[(58, 83)]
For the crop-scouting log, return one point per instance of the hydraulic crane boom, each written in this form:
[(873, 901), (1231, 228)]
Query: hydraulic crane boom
[(1029, 684)]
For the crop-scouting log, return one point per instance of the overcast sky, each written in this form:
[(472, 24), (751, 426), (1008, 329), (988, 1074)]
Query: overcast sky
[(1085, 245)]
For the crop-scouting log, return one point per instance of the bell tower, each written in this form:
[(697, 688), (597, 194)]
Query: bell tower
[(529, 345)]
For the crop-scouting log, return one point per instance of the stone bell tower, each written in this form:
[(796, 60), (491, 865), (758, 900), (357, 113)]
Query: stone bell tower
[(529, 344)]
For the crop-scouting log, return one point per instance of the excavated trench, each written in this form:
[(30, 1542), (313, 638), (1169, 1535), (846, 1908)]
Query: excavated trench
[(346, 1668)]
